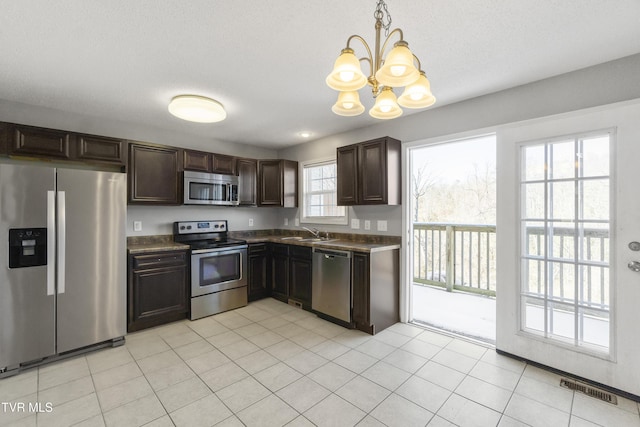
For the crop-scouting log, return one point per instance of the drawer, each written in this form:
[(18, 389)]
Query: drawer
[(257, 248), (280, 249), (300, 252), (159, 259)]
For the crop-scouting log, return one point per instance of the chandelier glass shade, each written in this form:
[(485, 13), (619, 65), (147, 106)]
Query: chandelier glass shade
[(397, 70), (348, 104)]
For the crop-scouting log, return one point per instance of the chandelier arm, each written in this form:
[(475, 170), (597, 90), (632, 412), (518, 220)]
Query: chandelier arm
[(384, 45), (366, 46), (418, 61)]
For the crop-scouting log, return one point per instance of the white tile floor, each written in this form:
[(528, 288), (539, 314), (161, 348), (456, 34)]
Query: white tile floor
[(269, 364)]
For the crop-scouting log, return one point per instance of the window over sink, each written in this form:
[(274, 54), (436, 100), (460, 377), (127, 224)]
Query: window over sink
[(319, 194)]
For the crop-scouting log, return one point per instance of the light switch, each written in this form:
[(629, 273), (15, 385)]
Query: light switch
[(382, 225), (137, 225), (250, 222), (367, 224), (286, 221), (355, 223)]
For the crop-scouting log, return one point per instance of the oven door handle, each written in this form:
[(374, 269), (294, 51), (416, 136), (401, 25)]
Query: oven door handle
[(218, 251)]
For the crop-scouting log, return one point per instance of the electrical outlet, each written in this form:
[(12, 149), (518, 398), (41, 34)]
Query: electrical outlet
[(367, 224), (250, 222), (286, 221), (137, 225), (355, 223), (297, 222), (382, 225)]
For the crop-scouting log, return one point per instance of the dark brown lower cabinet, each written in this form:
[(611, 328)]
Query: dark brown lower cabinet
[(375, 280), (280, 271), (300, 275), (258, 274), (157, 289)]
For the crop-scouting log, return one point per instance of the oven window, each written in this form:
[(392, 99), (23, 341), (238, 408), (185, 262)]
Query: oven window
[(219, 269), (200, 191)]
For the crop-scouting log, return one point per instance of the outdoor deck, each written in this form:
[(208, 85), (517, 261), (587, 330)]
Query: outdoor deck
[(467, 314)]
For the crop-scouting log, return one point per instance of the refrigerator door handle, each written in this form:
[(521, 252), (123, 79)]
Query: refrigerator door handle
[(51, 242), (62, 234)]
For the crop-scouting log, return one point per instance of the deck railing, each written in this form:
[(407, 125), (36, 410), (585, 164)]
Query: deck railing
[(456, 256), (463, 257)]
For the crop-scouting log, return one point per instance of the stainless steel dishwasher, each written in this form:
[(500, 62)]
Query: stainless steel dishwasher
[(331, 283)]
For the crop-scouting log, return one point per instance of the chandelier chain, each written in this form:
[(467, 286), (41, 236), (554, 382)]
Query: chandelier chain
[(380, 12)]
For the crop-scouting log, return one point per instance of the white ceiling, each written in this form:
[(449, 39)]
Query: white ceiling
[(266, 61)]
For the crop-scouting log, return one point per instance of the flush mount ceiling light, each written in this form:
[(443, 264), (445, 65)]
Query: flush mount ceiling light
[(398, 69), (196, 108)]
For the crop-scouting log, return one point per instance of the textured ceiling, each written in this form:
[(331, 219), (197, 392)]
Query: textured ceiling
[(266, 61)]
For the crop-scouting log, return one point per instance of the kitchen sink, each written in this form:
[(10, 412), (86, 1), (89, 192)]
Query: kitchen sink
[(317, 239), (291, 238)]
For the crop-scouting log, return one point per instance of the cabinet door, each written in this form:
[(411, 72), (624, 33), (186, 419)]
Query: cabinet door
[(289, 184), (347, 175), (373, 172), (280, 272), (300, 281), (197, 161), (153, 175), (361, 292), (247, 181), (269, 183), (48, 143), (157, 296), (258, 271), (4, 139), (101, 149), (223, 164)]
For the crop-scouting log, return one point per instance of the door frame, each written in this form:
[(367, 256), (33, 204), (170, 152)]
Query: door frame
[(406, 258)]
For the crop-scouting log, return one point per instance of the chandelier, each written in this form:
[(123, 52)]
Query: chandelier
[(394, 71)]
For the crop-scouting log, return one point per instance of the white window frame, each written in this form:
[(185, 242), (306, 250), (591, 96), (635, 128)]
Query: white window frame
[(333, 220), (571, 343)]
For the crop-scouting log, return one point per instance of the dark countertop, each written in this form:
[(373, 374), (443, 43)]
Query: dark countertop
[(338, 241), (142, 244), (334, 243)]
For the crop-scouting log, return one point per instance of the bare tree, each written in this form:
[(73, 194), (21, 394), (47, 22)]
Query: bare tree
[(423, 180), (481, 183)]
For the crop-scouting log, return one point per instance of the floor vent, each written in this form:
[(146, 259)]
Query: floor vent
[(589, 391)]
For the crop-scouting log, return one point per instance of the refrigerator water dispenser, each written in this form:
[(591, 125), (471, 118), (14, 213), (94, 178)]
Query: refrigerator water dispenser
[(27, 247)]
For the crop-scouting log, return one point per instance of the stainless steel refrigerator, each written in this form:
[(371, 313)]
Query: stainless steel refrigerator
[(62, 261)]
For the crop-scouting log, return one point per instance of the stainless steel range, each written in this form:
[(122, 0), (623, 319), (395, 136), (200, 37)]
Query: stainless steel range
[(218, 267)]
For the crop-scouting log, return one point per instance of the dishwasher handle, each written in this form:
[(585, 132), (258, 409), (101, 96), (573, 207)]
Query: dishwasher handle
[(330, 253)]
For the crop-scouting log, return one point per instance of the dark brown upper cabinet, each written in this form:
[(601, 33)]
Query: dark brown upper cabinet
[(223, 164), (4, 139), (39, 142), (201, 161), (93, 148), (247, 170), (153, 175), (30, 141), (197, 161), (369, 173), (278, 183)]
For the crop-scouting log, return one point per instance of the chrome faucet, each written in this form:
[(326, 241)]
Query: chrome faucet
[(314, 231)]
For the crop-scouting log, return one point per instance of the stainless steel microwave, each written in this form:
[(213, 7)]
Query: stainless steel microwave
[(210, 189)]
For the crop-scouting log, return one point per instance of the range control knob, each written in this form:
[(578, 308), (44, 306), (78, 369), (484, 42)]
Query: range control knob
[(182, 227), (188, 227)]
